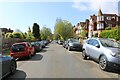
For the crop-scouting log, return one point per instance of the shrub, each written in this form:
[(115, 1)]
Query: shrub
[(84, 34), (8, 35), (17, 35), (108, 28), (114, 33)]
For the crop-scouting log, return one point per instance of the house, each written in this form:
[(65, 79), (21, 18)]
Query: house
[(99, 22), (79, 28), (94, 22), (118, 20), (107, 20), (5, 30)]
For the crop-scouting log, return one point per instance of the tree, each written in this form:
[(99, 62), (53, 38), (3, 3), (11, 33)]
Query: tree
[(46, 33), (36, 31), (17, 35), (29, 36), (8, 35), (29, 30), (64, 29)]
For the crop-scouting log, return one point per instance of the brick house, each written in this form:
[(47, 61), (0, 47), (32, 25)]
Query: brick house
[(79, 27), (107, 20), (100, 22), (5, 30)]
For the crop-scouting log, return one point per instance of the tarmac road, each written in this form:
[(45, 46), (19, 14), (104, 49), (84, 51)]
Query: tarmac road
[(54, 61)]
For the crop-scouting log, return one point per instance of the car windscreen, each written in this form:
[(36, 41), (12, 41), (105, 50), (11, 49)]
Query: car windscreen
[(74, 40), (18, 47), (33, 43), (109, 43)]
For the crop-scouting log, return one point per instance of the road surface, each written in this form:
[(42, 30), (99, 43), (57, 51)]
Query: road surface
[(54, 61)]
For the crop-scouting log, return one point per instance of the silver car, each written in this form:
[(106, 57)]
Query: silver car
[(105, 51), (73, 44)]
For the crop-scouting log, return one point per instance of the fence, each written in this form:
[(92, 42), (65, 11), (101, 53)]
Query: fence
[(6, 43)]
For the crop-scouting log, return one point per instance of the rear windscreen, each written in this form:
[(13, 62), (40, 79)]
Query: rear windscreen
[(18, 47)]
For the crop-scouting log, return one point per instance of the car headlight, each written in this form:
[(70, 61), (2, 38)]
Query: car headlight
[(71, 44), (113, 53)]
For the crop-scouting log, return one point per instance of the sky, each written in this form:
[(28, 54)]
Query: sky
[(16, 14)]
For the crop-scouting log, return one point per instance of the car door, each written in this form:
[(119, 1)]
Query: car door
[(89, 46), (95, 49), (5, 65), (0, 67)]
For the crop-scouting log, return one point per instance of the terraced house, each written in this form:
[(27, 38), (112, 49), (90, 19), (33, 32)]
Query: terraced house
[(5, 30), (100, 22)]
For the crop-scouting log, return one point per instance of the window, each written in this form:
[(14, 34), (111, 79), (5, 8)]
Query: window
[(110, 25), (18, 47), (90, 41), (102, 18), (108, 18), (29, 44), (95, 42), (102, 25)]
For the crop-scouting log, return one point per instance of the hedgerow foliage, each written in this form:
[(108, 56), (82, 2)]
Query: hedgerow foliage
[(114, 33)]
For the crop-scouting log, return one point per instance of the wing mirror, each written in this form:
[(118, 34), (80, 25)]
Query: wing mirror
[(97, 45)]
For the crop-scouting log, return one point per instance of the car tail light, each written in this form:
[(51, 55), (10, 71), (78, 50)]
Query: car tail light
[(11, 50)]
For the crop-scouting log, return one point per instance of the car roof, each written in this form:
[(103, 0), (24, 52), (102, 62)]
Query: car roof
[(97, 38), (20, 43)]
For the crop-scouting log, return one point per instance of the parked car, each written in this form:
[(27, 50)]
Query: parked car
[(64, 44), (7, 66), (46, 42), (37, 46), (73, 44), (60, 42), (22, 49), (105, 51), (42, 44)]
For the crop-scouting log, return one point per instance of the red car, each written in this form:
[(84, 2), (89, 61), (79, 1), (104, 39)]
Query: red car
[(22, 49)]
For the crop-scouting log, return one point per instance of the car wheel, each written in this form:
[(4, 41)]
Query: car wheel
[(69, 49), (84, 55), (12, 67), (103, 63), (29, 56), (65, 47), (34, 53)]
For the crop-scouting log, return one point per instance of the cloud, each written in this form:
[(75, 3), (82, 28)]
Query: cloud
[(107, 6)]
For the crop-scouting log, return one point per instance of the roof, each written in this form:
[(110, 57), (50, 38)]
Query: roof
[(99, 12), (109, 14)]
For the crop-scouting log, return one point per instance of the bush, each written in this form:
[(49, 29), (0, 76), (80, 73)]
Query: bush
[(114, 33), (84, 34), (108, 28), (17, 35), (8, 35)]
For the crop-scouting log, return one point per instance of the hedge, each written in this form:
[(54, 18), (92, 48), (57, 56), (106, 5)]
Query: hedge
[(84, 34), (114, 33)]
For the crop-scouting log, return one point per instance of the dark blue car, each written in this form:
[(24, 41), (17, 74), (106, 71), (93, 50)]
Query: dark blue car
[(7, 66)]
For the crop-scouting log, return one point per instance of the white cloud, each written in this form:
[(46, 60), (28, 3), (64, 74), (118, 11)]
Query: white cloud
[(107, 6)]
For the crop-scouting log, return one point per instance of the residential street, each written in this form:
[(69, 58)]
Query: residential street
[(56, 62)]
